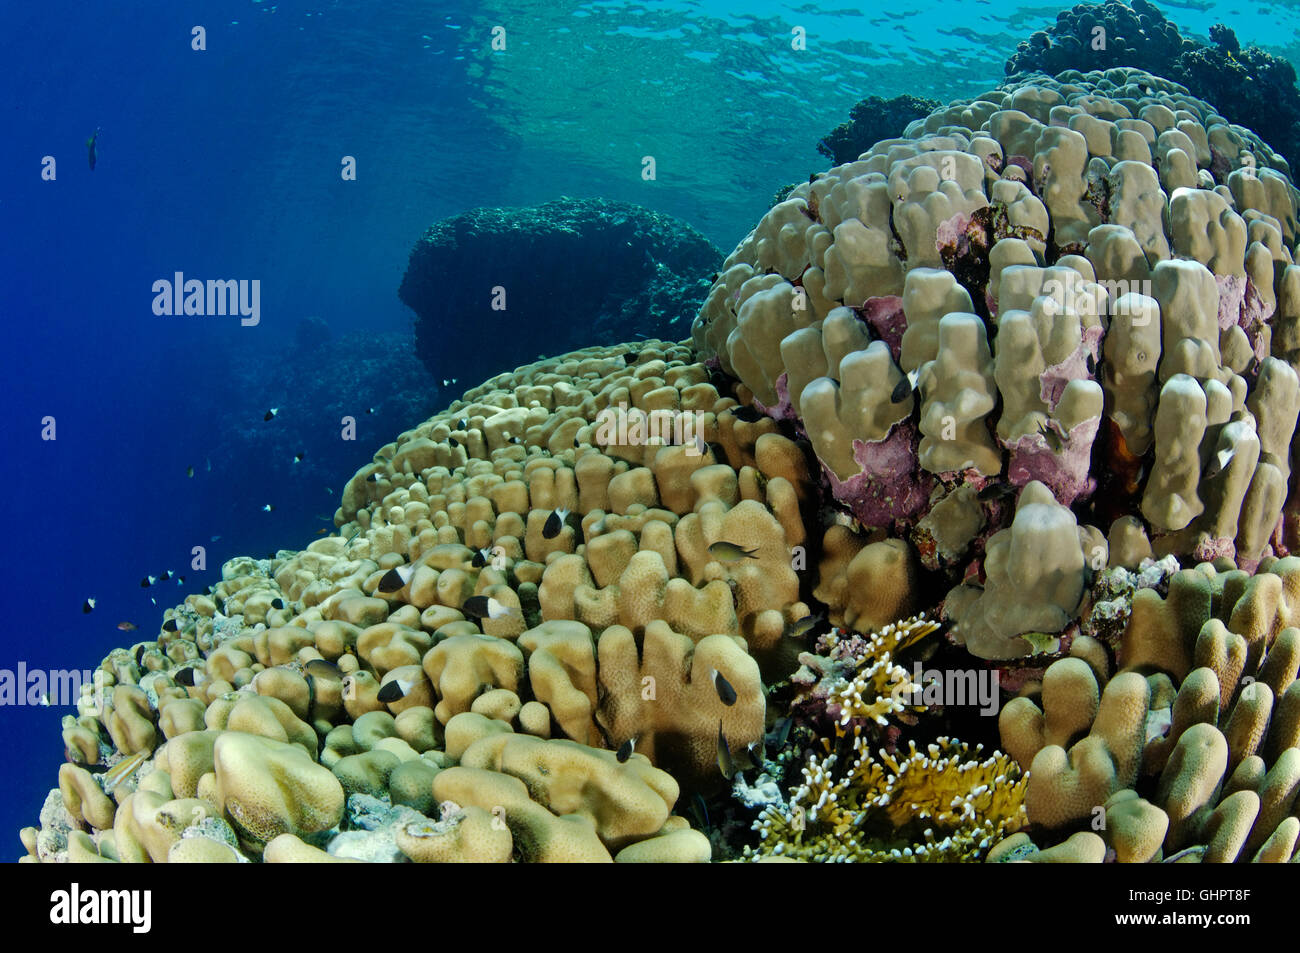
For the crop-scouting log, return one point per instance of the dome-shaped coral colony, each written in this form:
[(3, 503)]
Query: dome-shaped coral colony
[(1043, 349)]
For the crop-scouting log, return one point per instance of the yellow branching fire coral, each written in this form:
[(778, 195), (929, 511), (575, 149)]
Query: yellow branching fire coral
[(879, 685), (939, 802), (936, 804)]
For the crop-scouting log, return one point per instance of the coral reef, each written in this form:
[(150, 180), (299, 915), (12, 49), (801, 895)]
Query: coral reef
[(850, 804), (1187, 747), (1251, 87), (625, 268), (1002, 408), (518, 690), (1077, 291)]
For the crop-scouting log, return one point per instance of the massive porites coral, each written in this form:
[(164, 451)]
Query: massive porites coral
[(513, 649), (1181, 748), (549, 278), (1050, 329), (1249, 86)]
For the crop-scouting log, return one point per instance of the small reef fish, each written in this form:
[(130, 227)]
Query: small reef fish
[(45, 699), (88, 606), (1219, 463), (322, 531), (213, 539), (189, 472), (448, 381), (996, 491), (395, 690), (322, 668), (726, 552), (726, 694), (747, 414), (625, 750), (631, 357), (267, 509), (480, 558), (699, 811), (139, 655), (188, 676), (783, 731), (126, 626), (462, 424), (277, 603), (148, 581), (92, 150), (395, 579), (370, 410), (124, 769), (801, 627), (554, 523), (904, 387), (170, 625), (754, 751), (726, 764), (485, 607), (298, 457), (270, 414)]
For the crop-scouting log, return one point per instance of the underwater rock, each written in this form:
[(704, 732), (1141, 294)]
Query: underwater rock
[(871, 120), (550, 278)]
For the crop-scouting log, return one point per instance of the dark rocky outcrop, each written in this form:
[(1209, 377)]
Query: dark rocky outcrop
[(574, 272)]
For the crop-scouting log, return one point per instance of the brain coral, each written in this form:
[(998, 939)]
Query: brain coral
[(1084, 283)]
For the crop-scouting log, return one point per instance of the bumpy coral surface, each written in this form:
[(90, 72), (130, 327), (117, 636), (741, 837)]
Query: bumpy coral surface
[(1251, 87), (450, 677), (1191, 750), (1031, 365), (1077, 291)]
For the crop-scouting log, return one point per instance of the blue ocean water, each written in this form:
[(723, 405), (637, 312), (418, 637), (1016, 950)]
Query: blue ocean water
[(225, 163)]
